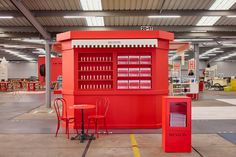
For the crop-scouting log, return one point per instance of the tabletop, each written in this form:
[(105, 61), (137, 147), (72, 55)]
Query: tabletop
[(83, 106)]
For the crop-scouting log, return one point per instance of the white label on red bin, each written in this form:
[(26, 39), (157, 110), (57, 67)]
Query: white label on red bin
[(145, 59), (145, 84), (123, 71), (145, 71), (122, 84), (133, 59), (133, 84), (134, 72), (123, 59)]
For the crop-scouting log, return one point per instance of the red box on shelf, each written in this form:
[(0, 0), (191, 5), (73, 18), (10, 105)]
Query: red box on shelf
[(123, 59), (145, 59), (133, 59), (123, 84), (133, 84), (134, 72), (145, 72), (176, 124), (123, 72), (145, 84)]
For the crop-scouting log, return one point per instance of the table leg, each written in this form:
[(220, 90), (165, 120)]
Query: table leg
[(83, 136)]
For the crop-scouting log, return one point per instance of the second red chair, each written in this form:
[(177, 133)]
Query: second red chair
[(61, 111), (102, 106)]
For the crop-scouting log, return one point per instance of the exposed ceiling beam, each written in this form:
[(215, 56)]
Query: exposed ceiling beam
[(43, 13), (205, 35), (29, 16), (167, 28)]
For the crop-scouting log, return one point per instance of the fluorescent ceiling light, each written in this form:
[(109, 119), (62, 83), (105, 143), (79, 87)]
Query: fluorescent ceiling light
[(222, 4), (17, 54), (217, 5), (73, 17), (164, 16), (218, 51), (174, 57), (211, 54), (208, 20), (6, 17), (199, 31), (207, 52), (95, 21), (205, 57), (232, 16), (93, 5)]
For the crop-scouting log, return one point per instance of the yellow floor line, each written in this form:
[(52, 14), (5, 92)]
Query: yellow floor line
[(134, 146)]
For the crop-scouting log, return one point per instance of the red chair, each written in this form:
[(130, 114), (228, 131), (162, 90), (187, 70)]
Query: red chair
[(102, 106), (61, 111)]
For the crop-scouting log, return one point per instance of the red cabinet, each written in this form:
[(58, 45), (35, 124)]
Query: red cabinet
[(176, 124), (128, 67)]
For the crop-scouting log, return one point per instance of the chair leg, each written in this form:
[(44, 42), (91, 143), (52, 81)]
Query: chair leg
[(67, 129), (58, 127), (77, 131), (96, 121), (105, 125), (88, 126)]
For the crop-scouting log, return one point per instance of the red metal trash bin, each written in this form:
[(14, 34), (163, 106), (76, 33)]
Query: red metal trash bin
[(176, 124)]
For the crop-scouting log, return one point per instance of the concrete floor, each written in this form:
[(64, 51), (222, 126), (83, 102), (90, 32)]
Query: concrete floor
[(27, 129)]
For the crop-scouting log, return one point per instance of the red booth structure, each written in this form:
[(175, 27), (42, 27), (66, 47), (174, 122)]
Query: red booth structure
[(56, 69), (176, 124), (128, 67)]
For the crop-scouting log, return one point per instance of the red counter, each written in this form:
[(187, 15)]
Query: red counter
[(128, 67)]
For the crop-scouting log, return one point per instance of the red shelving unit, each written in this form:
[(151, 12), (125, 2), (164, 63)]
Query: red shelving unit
[(91, 63)]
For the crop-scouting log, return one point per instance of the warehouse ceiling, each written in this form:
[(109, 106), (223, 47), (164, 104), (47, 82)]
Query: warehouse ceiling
[(211, 23)]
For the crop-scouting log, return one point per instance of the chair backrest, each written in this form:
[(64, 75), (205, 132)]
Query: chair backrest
[(102, 106), (60, 107)]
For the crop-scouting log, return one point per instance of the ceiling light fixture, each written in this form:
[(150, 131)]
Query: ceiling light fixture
[(164, 16), (205, 57), (207, 52), (17, 54), (199, 31), (218, 51), (231, 16), (211, 54), (74, 17), (93, 5), (6, 17), (217, 5)]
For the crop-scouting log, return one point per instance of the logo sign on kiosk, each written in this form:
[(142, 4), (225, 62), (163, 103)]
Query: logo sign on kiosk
[(146, 28)]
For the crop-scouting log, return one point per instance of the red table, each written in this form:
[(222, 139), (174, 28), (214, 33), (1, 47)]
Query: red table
[(82, 107)]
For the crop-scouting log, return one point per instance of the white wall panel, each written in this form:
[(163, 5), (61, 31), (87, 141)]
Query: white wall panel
[(22, 70)]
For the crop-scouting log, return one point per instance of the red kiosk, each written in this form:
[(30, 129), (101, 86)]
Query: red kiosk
[(56, 68), (176, 124), (128, 67)]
